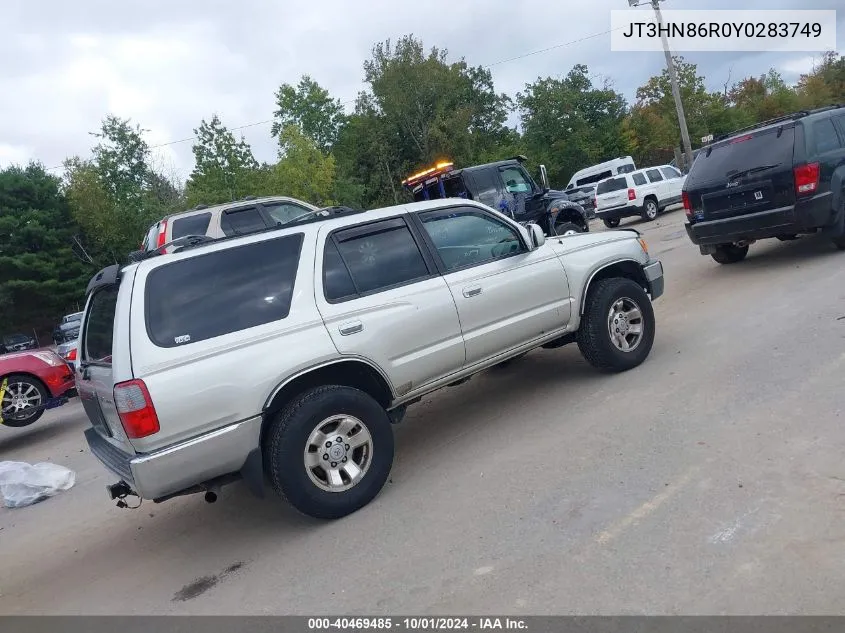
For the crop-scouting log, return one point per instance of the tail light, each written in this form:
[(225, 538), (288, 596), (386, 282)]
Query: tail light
[(632, 194), (135, 408), (687, 204), (806, 178), (71, 355), (162, 234)]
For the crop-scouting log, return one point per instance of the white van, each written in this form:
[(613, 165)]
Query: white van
[(591, 175)]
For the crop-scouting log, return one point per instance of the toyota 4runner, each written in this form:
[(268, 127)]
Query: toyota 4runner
[(284, 356)]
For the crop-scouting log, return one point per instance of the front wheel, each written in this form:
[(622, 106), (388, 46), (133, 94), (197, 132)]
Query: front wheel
[(564, 229), (729, 253), (23, 400), (650, 210), (618, 326), (612, 223), (330, 451)]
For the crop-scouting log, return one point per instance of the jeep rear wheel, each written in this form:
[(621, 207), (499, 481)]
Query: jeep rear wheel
[(611, 223), (617, 329), (329, 452), (565, 228), (729, 253), (650, 210)]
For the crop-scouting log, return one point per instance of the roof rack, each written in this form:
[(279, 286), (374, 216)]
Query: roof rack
[(781, 119)]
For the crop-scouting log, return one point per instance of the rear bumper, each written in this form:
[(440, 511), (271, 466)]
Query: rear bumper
[(806, 216), (653, 272), (617, 213), (184, 465)]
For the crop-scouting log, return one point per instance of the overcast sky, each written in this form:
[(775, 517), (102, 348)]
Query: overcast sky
[(167, 65)]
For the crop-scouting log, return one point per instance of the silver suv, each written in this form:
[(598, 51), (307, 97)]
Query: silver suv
[(284, 356)]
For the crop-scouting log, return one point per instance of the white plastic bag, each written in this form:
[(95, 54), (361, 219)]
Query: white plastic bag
[(23, 484)]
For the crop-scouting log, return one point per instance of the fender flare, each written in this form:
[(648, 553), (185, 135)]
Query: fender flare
[(559, 205)]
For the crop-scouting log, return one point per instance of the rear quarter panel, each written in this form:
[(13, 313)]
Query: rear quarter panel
[(202, 386)]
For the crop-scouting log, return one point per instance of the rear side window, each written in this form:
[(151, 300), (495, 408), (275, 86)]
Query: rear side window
[(222, 292), (639, 179), (99, 327), (625, 169), (337, 282), (614, 184), (242, 221), (654, 175), (381, 255), (284, 212), (190, 225), (825, 138), (741, 153), (586, 180)]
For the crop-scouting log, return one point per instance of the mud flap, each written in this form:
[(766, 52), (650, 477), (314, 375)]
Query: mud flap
[(253, 473)]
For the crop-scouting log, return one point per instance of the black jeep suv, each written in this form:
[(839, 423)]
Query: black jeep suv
[(781, 178)]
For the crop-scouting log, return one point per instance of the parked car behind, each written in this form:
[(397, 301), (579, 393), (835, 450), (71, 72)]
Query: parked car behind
[(779, 179), (68, 328), (17, 343), (31, 382), (643, 193), (284, 356), (225, 220)]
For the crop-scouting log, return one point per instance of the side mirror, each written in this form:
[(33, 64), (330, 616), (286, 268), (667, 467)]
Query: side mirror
[(538, 238), (544, 178)]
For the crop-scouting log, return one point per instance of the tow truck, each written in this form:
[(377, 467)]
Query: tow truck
[(506, 186)]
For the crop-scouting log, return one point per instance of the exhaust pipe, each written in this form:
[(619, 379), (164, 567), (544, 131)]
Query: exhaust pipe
[(211, 494)]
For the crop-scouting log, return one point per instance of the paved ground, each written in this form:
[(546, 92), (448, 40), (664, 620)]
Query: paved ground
[(709, 480)]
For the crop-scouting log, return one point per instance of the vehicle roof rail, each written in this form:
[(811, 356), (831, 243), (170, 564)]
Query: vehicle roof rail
[(781, 119), (833, 106)]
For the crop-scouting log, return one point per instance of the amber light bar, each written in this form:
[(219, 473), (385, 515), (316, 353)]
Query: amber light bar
[(438, 168)]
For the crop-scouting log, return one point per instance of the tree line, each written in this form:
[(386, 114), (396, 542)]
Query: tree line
[(418, 107)]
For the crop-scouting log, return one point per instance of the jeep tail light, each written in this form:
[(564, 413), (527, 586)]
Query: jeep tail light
[(687, 204), (162, 233), (135, 408), (806, 178), (632, 194)]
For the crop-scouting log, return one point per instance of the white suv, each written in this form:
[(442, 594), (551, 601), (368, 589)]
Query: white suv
[(644, 193), (285, 355)]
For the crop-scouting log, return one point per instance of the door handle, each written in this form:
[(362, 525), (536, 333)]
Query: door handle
[(472, 291), (352, 327)]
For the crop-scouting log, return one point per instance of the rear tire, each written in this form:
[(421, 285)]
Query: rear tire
[(288, 451), (599, 336), (567, 228), (729, 253), (31, 387), (839, 243), (650, 210), (612, 223)]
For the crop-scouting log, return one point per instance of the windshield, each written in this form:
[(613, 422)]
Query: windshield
[(14, 339), (613, 184)]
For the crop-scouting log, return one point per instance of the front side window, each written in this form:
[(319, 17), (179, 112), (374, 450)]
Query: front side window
[(515, 181), (99, 326), (380, 256), (221, 292), (242, 221), (469, 237), (654, 175)]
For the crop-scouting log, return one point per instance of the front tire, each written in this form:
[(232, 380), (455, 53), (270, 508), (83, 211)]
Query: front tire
[(23, 392), (330, 451), (618, 326), (729, 253), (612, 223), (650, 210)]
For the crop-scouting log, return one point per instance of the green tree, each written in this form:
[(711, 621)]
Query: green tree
[(224, 168), (309, 106), (303, 171), (40, 277), (569, 123)]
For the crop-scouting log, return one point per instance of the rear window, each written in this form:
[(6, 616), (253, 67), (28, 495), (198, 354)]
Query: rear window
[(222, 292), (586, 180), (191, 225), (614, 184), (99, 326), (743, 152)]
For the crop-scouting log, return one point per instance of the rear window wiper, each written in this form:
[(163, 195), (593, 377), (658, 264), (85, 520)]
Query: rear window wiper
[(751, 170)]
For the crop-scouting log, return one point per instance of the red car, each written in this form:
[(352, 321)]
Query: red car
[(30, 383)]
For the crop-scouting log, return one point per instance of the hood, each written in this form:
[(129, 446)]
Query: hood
[(586, 240)]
